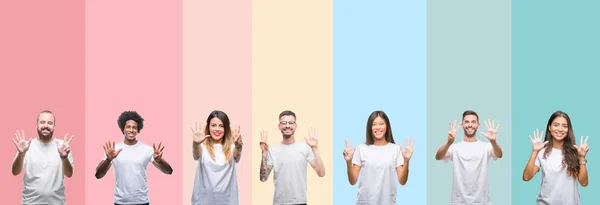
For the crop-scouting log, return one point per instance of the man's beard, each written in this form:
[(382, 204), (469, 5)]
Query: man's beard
[(470, 135), (287, 136), (41, 135)]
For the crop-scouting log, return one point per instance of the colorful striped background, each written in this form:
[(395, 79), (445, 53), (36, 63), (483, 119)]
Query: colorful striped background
[(332, 62)]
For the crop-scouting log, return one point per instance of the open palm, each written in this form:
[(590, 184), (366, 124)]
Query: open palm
[(20, 142), (492, 130), (312, 140), (199, 133), (408, 148), (536, 141)]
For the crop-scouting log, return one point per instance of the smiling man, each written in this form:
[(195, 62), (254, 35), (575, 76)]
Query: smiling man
[(46, 161), (289, 159), (131, 158), (470, 160)]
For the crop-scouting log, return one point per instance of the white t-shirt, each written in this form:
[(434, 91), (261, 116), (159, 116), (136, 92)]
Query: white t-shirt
[(43, 175), (470, 183), (557, 187), (289, 164), (215, 182), (130, 173), (378, 176)]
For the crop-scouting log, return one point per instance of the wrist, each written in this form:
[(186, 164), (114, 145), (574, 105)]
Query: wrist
[(64, 157), (239, 146), (314, 147), (581, 158)]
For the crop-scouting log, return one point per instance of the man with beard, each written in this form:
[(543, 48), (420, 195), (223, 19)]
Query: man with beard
[(289, 159), (46, 161), (470, 160), (131, 158)]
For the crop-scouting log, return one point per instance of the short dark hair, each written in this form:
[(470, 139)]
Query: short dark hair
[(470, 112), (130, 115), (287, 112)]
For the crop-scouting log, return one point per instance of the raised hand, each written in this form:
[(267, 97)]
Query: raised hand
[(583, 147), (312, 139), (109, 149), (158, 152), (236, 136), (536, 141), (349, 151), (492, 130), (452, 133), (264, 145), (199, 134), (408, 148), (20, 142), (64, 149)]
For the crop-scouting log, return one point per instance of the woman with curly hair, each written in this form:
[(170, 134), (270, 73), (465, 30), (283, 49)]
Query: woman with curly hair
[(562, 162)]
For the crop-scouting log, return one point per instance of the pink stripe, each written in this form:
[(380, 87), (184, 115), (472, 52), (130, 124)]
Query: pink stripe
[(134, 52), (217, 75), (41, 62)]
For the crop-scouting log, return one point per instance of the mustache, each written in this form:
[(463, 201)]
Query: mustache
[(45, 128)]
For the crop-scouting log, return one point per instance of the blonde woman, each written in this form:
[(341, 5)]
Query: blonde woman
[(217, 148)]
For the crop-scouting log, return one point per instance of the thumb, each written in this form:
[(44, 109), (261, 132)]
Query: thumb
[(545, 143), (119, 151)]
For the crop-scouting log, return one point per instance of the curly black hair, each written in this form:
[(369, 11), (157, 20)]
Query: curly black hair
[(130, 115)]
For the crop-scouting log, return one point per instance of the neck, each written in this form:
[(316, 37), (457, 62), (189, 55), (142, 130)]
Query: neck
[(470, 139), (130, 142), (557, 144), (380, 142), (220, 141), (289, 140), (45, 140)]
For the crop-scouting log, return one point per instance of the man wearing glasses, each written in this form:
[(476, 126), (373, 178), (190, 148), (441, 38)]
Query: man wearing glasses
[(289, 159)]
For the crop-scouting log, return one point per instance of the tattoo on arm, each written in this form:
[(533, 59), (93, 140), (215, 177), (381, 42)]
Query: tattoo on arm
[(265, 169)]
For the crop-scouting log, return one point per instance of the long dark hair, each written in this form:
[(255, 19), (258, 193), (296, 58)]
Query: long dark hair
[(226, 141), (388, 128), (570, 154)]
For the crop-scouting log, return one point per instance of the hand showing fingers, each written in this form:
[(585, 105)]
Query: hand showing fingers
[(408, 148), (198, 133), (492, 130), (312, 139), (264, 145), (158, 151), (583, 147), (452, 133), (20, 142), (64, 148), (109, 150), (348, 151), (537, 141)]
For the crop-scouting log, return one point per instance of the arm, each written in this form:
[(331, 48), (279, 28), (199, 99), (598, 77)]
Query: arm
[(196, 150), (402, 172), (17, 165), (265, 168), (442, 152), (237, 152), (496, 149), (583, 173), (102, 168), (67, 167), (163, 166), (353, 171), (317, 163), (530, 168)]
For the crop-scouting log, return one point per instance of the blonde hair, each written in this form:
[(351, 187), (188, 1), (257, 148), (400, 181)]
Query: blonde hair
[(226, 141)]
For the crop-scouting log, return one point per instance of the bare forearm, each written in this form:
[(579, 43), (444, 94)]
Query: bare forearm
[(163, 166), (441, 153), (102, 168), (496, 149), (17, 165), (530, 171), (67, 167), (265, 168), (352, 177), (583, 173), (404, 174), (319, 167)]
